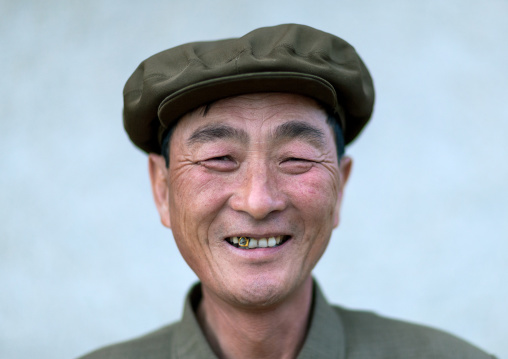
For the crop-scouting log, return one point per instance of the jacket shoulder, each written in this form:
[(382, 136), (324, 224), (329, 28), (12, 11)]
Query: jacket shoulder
[(154, 345), (369, 335)]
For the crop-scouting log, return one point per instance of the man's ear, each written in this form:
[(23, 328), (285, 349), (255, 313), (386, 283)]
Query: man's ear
[(345, 165), (159, 175)]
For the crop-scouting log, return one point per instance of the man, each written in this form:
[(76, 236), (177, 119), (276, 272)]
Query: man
[(245, 140)]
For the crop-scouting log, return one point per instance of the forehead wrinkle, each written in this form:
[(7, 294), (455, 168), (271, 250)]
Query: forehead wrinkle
[(217, 131), (300, 130)]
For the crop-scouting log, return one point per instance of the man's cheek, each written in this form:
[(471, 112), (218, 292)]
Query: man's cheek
[(315, 191), (189, 182), (199, 196)]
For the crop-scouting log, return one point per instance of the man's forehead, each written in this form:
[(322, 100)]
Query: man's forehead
[(277, 117), (252, 106)]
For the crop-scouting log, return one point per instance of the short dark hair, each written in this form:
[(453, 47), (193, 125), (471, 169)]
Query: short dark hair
[(331, 120)]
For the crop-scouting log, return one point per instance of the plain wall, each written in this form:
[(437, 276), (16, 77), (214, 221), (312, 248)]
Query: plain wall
[(84, 260)]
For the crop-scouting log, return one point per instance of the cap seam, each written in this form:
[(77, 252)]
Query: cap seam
[(237, 57)]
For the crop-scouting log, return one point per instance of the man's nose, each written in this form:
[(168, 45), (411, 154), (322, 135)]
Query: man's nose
[(258, 194)]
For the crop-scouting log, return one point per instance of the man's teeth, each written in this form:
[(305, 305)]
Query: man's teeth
[(250, 243)]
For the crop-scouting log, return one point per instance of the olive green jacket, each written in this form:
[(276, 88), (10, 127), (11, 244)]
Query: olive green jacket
[(334, 332)]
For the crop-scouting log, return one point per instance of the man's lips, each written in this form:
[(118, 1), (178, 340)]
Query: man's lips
[(245, 242)]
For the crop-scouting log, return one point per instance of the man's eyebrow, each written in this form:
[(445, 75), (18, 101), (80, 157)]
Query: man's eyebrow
[(213, 132), (301, 130)]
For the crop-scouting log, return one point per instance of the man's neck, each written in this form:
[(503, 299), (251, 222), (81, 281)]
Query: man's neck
[(277, 332)]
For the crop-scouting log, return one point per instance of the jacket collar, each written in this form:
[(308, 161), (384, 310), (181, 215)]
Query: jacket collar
[(325, 338)]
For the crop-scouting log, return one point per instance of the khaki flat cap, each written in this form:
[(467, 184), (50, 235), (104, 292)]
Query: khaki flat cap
[(286, 58)]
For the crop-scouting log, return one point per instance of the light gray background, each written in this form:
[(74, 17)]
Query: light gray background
[(84, 260)]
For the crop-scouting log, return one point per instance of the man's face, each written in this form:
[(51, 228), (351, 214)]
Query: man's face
[(256, 166)]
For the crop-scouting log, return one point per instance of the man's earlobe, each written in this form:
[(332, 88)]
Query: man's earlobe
[(159, 180)]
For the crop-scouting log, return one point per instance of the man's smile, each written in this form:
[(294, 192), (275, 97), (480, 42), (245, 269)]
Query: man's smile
[(245, 242)]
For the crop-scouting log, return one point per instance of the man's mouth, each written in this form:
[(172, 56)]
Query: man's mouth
[(252, 243)]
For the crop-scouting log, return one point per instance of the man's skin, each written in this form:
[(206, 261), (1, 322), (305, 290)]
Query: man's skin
[(259, 166)]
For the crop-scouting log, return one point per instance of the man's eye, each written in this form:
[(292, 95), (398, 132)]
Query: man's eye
[(220, 163), (296, 159), (294, 165), (221, 158)]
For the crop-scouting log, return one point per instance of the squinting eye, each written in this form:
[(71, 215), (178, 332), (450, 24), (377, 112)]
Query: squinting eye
[(295, 165), (222, 158), (221, 163)]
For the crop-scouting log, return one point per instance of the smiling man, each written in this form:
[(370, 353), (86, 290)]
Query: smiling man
[(245, 140)]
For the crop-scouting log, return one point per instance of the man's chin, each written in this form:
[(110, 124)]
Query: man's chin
[(259, 297), (261, 292)]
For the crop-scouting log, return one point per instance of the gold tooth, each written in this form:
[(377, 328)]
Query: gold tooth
[(243, 242)]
